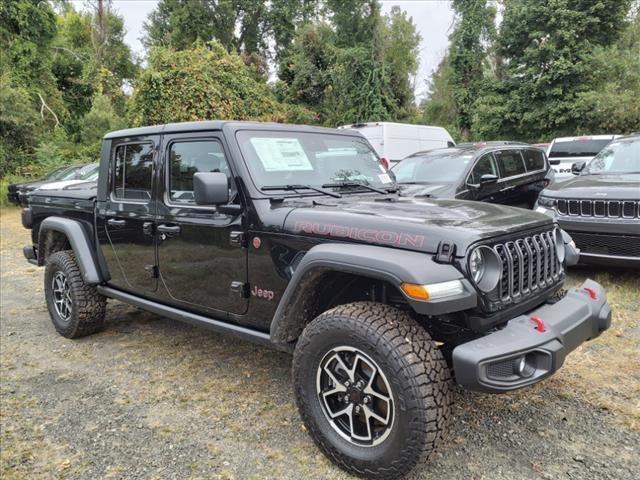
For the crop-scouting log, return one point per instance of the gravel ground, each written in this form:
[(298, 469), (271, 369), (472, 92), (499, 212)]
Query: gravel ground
[(152, 398)]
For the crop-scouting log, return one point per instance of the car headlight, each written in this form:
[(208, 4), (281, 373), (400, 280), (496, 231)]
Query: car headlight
[(485, 268), (546, 201)]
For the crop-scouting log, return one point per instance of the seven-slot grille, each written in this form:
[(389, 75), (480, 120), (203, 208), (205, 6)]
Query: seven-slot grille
[(599, 208), (529, 265)]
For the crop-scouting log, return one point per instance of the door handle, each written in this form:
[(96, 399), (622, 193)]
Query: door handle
[(114, 222), (170, 229)]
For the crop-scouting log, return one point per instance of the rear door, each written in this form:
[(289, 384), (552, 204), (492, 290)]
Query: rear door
[(201, 254), (513, 179), (536, 179), (128, 221)]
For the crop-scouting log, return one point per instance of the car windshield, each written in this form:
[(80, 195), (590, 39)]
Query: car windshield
[(622, 156), (577, 148), (445, 166), (287, 159), (57, 173), (84, 173)]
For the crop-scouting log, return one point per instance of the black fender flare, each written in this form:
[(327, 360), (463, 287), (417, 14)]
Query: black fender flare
[(80, 244), (381, 263)]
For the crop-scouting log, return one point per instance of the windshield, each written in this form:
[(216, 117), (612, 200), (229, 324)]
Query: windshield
[(436, 167), (86, 172), (280, 158), (577, 148), (617, 157)]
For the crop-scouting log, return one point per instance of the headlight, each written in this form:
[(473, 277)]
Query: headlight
[(485, 268), (546, 202)]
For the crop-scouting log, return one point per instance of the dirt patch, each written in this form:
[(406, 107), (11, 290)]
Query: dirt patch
[(152, 398)]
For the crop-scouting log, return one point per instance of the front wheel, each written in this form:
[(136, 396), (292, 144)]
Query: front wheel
[(76, 309), (372, 388)]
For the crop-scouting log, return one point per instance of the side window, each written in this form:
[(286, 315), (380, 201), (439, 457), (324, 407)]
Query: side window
[(189, 157), (511, 163), (533, 160), (133, 169), (485, 166)]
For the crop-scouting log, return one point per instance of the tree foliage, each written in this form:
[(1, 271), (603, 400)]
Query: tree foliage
[(204, 82)]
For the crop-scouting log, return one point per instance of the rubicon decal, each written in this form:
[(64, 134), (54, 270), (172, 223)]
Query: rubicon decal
[(262, 293), (365, 234)]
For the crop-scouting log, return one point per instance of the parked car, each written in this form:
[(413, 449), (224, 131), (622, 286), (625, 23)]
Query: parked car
[(395, 141), (600, 205), (564, 151), (509, 173), (16, 192), (287, 244), (86, 173)]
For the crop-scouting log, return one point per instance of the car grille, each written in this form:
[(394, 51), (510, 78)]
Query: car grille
[(603, 244), (530, 265), (599, 208)]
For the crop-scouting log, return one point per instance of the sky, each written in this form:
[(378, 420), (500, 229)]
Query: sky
[(433, 19)]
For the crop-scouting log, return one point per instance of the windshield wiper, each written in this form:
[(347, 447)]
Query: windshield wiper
[(301, 187), (356, 184)]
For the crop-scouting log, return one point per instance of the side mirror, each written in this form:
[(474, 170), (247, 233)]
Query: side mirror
[(210, 188), (488, 179), (577, 167)]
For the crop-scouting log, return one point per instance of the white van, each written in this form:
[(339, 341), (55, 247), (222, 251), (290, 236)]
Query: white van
[(395, 141)]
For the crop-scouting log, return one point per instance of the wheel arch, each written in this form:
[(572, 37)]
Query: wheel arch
[(333, 263), (57, 233)]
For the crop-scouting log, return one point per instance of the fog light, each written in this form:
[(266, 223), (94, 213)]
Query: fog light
[(525, 366)]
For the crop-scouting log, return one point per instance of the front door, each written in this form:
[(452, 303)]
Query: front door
[(201, 254), (490, 192), (129, 246)]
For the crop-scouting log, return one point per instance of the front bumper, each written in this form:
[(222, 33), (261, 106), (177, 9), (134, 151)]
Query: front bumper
[(532, 347)]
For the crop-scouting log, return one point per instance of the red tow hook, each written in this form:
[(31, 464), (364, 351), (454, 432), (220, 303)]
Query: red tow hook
[(539, 323), (592, 293)]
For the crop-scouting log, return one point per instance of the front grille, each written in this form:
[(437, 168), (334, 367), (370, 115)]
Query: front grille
[(599, 208), (603, 244), (529, 265)]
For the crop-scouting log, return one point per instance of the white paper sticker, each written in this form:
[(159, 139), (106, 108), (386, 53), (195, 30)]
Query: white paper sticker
[(281, 154), (384, 178)]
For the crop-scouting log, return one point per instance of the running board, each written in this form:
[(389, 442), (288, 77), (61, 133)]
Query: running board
[(188, 317)]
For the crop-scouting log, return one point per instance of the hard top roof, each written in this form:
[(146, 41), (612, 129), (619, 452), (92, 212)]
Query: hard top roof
[(218, 125)]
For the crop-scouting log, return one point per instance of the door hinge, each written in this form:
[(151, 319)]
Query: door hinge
[(152, 270), (236, 239), (240, 288), (446, 252)]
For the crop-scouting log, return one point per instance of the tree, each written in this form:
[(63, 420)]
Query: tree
[(203, 83), (548, 50), (467, 57), (440, 107)]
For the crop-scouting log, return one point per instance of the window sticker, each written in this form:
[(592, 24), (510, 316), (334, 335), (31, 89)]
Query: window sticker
[(384, 178), (281, 154)]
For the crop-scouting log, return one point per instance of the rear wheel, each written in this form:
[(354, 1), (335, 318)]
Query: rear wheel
[(372, 388), (76, 309)]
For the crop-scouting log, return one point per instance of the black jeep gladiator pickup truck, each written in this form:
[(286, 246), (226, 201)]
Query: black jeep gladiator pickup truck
[(295, 237)]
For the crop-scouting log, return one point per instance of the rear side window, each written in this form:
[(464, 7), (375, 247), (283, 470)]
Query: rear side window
[(533, 160), (510, 162), (485, 166), (187, 158), (133, 168)]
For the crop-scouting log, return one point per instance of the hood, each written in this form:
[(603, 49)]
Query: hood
[(60, 184), (597, 187), (409, 223), (429, 190)]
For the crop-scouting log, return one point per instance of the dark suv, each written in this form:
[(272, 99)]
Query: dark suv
[(600, 206), (509, 173), (295, 237)]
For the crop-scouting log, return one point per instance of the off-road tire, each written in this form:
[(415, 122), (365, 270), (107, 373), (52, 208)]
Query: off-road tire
[(88, 306), (419, 377)]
